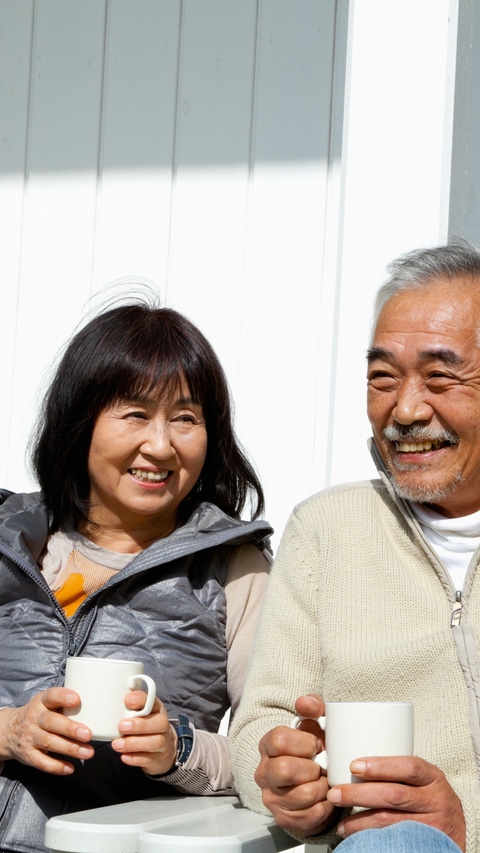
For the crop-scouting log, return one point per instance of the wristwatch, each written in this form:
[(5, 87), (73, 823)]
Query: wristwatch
[(185, 738)]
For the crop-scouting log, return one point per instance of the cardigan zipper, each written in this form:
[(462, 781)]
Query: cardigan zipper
[(456, 616)]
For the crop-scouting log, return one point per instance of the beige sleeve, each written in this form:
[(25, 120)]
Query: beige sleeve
[(207, 770), (278, 674), (244, 590)]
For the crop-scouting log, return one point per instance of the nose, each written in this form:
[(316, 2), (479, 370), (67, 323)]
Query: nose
[(411, 404), (157, 440)]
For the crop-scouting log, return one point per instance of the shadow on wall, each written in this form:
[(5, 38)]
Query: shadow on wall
[(157, 84)]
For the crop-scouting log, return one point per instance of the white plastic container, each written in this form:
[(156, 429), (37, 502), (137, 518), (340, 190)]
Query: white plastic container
[(167, 825)]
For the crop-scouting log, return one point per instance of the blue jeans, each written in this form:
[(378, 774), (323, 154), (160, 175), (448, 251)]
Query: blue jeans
[(408, 836)]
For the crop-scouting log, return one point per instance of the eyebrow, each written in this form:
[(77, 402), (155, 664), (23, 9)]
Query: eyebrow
[(145, 399), (443, 354)]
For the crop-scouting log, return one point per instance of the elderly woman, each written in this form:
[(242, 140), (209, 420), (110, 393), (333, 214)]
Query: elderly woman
[(134, 548)]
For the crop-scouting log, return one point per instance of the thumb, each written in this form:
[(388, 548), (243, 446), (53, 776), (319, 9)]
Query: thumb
[(311, 705)]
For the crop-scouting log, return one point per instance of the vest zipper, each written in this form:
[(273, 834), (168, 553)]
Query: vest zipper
[(456, 616), (71, 642)]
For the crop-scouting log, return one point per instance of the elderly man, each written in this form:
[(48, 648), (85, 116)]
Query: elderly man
[(375, 594)]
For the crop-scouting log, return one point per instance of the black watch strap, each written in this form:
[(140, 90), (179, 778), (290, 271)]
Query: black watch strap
[(185, 738)]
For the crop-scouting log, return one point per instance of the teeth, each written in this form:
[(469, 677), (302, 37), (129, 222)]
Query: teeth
[(410, 447), (149, 476)]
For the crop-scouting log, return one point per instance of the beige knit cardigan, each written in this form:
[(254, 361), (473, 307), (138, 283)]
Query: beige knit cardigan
[(358, 607)]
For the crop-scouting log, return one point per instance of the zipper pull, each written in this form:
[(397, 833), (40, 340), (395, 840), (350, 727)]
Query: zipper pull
[(457, 610), (72, 648)]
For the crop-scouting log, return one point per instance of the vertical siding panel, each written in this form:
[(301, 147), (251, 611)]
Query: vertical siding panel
[(211, 169), (285, 249), (16, 21), (60, 194), (133, 228), (397, 174), (188, 142)]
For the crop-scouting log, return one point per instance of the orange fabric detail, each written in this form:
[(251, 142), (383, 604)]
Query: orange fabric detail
[(79, 579), (71, 594)]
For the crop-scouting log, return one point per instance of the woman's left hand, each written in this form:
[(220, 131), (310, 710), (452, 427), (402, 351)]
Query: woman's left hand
[(148, 742)]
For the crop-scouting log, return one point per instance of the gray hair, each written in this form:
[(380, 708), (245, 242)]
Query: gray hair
[(416, 270)]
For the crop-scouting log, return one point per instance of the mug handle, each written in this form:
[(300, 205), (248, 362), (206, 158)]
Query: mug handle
[(133, 684), (322, 758)]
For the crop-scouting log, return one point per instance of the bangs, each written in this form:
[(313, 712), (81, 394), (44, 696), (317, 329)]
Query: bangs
[(159, 373)]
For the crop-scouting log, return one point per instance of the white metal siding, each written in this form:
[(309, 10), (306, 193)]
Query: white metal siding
[(252, 161), (188, 143)]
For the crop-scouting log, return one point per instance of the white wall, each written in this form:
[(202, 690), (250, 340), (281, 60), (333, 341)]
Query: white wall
[(255, 163), (396, 180), (189, 143)]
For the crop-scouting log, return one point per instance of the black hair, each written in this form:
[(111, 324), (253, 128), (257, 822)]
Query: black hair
[(125, 352)]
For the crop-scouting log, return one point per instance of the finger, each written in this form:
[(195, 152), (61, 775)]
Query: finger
[(154, 743), (155, 754), (435, 804), (308, 819), (285, 741), (46, 713), (66, 740), (418, 787), (301, 796), (154, 723), (48, 751), (408, 769), (51, 765), (286, 771), (311, 726), (37, 724), (143, 760), (54, 722), (59, 697), (136, 700), (52, 731), (380, 795), (311, 705), (153, 762)]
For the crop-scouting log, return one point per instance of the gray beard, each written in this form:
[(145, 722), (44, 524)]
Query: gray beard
[(424, 494), (420, 494)]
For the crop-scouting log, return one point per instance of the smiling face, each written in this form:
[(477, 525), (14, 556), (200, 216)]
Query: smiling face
[(145, 457), (424, 394)]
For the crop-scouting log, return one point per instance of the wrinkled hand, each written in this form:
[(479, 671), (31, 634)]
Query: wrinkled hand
[(400, 788), (292, 785), (30, 733), (148, 742)]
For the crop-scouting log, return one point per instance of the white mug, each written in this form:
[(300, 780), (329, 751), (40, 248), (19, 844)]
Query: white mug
[(102, 684), (361, 729)]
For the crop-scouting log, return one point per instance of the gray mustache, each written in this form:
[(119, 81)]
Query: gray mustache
[(418, 433)]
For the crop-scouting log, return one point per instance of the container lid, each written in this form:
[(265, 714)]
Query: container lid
[(111, 829), (227, 829)]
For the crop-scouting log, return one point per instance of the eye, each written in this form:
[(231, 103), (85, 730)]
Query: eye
[(381, 380), (184, 422), (438, 380), (136, 415), (184, 419)]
